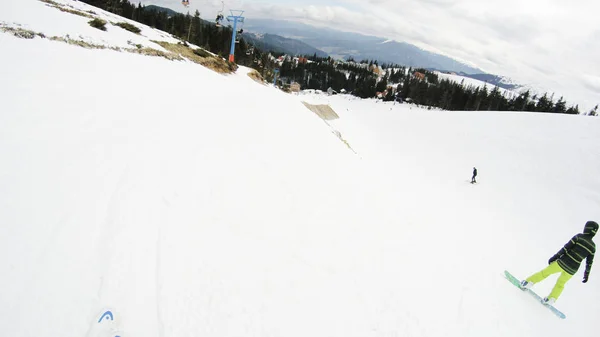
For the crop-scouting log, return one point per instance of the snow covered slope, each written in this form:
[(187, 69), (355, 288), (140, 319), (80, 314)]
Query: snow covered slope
[(51, 18), (198, 213), (467, 81), (519, 89)]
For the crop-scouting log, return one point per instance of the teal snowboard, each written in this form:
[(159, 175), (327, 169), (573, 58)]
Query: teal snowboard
[(517, 284)]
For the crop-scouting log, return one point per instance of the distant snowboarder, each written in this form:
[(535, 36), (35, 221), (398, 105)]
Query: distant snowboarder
[(567, 262), (473, 181)]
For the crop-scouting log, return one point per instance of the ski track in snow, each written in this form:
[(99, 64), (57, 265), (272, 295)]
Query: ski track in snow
[(190, 213)]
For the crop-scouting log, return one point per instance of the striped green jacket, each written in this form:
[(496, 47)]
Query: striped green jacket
[(572, 254)]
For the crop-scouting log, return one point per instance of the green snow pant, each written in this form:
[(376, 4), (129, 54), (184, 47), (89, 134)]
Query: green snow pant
[(553, 268)]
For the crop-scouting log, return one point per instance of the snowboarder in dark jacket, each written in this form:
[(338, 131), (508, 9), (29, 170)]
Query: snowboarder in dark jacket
[(567, 262), (474, 175)]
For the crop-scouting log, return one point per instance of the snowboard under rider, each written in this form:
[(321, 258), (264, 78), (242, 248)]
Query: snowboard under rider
[(567, 262), (474, 175)]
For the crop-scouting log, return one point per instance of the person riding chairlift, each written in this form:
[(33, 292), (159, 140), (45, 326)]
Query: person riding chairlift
[(219, 19), (238, 37)]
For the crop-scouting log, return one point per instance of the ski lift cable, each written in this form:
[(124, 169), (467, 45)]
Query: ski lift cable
[(220, 15), (222, 7)]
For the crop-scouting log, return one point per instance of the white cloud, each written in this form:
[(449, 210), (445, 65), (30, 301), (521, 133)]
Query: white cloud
[(549, 43)]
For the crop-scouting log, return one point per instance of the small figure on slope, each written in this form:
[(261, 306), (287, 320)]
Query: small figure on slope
[(567, 262), (473, 181)]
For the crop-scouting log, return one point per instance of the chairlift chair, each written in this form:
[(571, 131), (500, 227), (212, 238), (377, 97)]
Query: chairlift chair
[(239, 32), (219, 19), (220, 16), (238, 36)]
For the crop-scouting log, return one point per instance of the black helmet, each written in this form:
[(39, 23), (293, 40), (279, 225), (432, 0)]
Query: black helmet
[(591, 227)]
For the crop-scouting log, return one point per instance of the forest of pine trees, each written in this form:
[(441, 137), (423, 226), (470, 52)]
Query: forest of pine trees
[(356, 78), (324, 73)]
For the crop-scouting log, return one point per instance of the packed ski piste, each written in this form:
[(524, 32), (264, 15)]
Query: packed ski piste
[(144, 193)]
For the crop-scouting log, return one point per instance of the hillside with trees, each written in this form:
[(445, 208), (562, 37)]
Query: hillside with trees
[(365, 79)]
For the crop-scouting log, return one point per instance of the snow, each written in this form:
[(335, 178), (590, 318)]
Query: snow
[(187, 212), (475, 83), (53, 22), (534, 89)]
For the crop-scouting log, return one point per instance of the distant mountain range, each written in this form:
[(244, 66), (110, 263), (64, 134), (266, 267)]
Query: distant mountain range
[(499, 81), (294, 38), (281, 44), (340, 44)]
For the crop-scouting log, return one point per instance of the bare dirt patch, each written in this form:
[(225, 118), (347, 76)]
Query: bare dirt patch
[(326, 113), (256, 76), (322, 110), (28, 34), (20, 32), (210, 61)]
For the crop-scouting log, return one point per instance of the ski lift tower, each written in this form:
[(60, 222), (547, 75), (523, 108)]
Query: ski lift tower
[(236, 16)]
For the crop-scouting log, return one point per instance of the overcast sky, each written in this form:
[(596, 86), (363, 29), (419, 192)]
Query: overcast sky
[(552, 44)]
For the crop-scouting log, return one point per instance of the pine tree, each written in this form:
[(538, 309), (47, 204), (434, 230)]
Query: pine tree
[(573, 110), (382, 85), (560, 106), (482, 99), (520, 102), (445, 100), (495, 99), (544, 104)]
